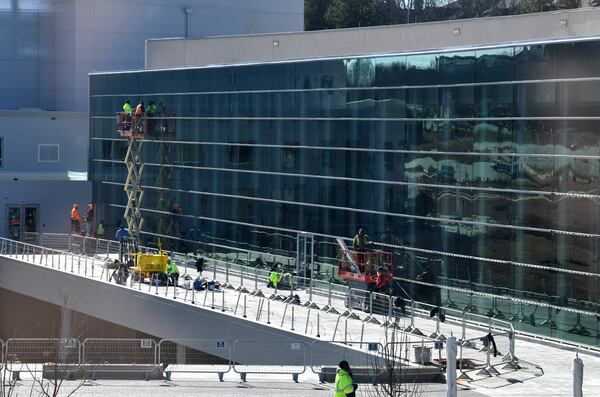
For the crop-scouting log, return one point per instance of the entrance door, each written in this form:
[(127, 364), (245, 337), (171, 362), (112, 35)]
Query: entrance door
[(14, 222), (23, 222)]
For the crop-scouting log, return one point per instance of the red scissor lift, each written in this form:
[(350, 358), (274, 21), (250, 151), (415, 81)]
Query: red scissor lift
[(361, 267), (131, 126)]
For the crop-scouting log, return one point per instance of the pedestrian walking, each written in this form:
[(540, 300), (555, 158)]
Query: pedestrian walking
[(344, 383)]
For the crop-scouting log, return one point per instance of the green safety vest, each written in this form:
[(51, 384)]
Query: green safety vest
[(100, 230), (274, 278), (343, 383), (127, 108), (151, 109), (172, 269)]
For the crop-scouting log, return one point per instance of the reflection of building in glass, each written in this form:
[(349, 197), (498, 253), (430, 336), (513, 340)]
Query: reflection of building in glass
[(486, 160)]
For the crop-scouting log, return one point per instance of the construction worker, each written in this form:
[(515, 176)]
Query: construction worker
[(101, 230), (127, 110), (150, 113), (121, 236), (139, 109), (360, 246), (344, 384), (75, 220), (139, 114), (173, 272), (274, 279), (89, 220)]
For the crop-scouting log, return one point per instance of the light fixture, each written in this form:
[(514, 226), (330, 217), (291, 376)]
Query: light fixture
[(275, 43), (563, 23), (456, 31)]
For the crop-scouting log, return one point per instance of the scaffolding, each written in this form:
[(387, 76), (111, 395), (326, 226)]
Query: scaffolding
[(164, 210)]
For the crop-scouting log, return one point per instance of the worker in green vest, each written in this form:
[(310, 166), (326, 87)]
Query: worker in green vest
[(274, 278), (101, 231), (173, 272), (344, 384), (150, 114), (127, 110)]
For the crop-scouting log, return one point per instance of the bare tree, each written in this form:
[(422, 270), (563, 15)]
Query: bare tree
[(56, 363), (392, 367)]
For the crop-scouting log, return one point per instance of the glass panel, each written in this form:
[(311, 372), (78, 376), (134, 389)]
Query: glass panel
[(534, 62), (360, 72), (457, 102), (422, 70), (14, 223), (390, 71), (457, 67), (535, 100), (422, 103), (31, 220), (494, 101), (494, 65), (578, 99), (578, 59)]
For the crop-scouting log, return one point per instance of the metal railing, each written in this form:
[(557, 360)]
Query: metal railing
[(380, 307)]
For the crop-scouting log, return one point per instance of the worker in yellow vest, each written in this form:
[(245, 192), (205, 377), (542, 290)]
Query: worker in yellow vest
[(344, 384)]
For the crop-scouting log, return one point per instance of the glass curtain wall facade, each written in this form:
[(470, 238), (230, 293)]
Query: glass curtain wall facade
[(485, 161)]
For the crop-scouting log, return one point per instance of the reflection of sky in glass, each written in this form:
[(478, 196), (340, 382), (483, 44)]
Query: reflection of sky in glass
[(5, 4)]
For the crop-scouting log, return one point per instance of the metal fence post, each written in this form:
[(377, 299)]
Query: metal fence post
[(244, 306), (268, 311), (292, 317), (318, 325)]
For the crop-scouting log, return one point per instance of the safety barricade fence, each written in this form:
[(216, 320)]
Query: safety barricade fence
[(488, 356), (2, 355), (102, 354), (368, 362), (57, 241), (32, 354), (326, 297), (269, 357), (194, 356)]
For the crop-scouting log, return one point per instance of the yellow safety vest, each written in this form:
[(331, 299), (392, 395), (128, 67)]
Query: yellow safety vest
[(127, 108), (343, 383)]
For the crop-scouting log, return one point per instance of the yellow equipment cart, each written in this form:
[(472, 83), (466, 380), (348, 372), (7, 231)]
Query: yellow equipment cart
[(149, 265)]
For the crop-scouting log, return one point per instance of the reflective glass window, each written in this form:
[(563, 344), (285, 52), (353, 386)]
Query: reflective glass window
[(457, 67), (390, 71), (421, 70), (494, 65), (534, 62)]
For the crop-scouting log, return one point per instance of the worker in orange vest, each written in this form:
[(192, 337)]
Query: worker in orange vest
[(75, 220), (139, 113)]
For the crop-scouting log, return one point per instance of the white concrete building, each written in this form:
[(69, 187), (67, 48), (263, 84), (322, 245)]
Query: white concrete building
[(47, 49)]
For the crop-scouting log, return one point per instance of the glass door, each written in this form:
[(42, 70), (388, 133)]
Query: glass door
[(30, 224), (23, 222), (14, 222)]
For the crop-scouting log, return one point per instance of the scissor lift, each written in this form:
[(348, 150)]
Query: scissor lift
[(134, 128)]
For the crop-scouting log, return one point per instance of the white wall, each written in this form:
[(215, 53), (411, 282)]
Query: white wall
[(54, 198), (23, 131), (46, 53)]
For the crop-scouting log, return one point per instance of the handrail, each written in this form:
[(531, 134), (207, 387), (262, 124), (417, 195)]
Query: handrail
[(501, 324)]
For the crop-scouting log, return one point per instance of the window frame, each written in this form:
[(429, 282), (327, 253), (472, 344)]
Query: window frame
[(40, 145)]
